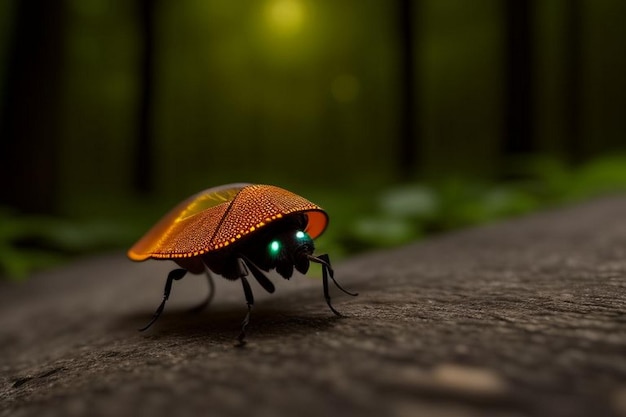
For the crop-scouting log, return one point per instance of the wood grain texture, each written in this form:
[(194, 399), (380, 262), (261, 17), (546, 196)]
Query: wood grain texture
[(525, 317)]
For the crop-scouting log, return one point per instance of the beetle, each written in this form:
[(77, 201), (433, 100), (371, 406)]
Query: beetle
[(235, 230)]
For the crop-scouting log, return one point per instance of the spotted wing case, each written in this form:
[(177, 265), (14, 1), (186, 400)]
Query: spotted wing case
[(219, 216)]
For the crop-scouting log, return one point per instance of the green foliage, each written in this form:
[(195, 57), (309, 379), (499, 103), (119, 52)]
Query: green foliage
[(28, 243), (407, 213), (360, 219), (599, 176)]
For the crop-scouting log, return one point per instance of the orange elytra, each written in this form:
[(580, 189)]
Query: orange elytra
[(234, 230)]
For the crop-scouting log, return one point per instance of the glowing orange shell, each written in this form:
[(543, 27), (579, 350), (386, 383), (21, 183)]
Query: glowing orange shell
[(220, 216)]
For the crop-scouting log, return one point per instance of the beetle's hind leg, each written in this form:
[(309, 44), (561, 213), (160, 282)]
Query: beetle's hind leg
[(174, 275), (250, 301), (207, 301), (242, 272)]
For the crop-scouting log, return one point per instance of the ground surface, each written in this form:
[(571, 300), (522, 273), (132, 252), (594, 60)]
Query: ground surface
[(527, 317)]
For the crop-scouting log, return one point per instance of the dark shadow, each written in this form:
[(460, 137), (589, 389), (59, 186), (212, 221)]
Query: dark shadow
[(223, 322)]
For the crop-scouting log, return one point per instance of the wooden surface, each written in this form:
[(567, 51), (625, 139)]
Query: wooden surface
[(526, 317)]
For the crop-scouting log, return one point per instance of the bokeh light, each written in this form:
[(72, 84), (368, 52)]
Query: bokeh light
[(285, 17)]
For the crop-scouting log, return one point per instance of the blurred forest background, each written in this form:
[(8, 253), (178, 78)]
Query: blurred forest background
[(400, 117)]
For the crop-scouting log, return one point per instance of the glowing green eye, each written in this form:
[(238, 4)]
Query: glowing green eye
[(274, 247), (300, 234)]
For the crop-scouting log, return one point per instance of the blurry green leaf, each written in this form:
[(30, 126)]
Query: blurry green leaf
[(607, 174), (413, 201), (507, 201), (550, 178), (384, 231), (18, 263), (28, 243)]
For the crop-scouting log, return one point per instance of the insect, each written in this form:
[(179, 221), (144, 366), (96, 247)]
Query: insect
[(235, 230)]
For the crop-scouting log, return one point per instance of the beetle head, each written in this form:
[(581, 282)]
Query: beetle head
[(291, 249)]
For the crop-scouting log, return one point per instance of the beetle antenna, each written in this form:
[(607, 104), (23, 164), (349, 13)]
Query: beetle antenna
[(174, 275), (326, 272), (324, 260)]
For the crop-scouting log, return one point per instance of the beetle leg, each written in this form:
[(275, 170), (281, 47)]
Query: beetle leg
[(250, 301), (263, 280), (326, 259), (209, 297), (174, 275), (327, 271)]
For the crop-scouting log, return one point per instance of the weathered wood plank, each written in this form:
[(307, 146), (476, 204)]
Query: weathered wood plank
[(526, 317)]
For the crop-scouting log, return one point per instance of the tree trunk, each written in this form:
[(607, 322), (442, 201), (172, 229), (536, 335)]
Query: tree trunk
[(30, 132), (518, 101), (408, 149), (572, 91), (144, 152)]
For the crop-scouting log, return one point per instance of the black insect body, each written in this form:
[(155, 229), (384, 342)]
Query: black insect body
[(241, 238)]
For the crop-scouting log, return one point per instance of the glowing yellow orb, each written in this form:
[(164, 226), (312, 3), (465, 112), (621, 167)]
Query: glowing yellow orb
[(285, 16)]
